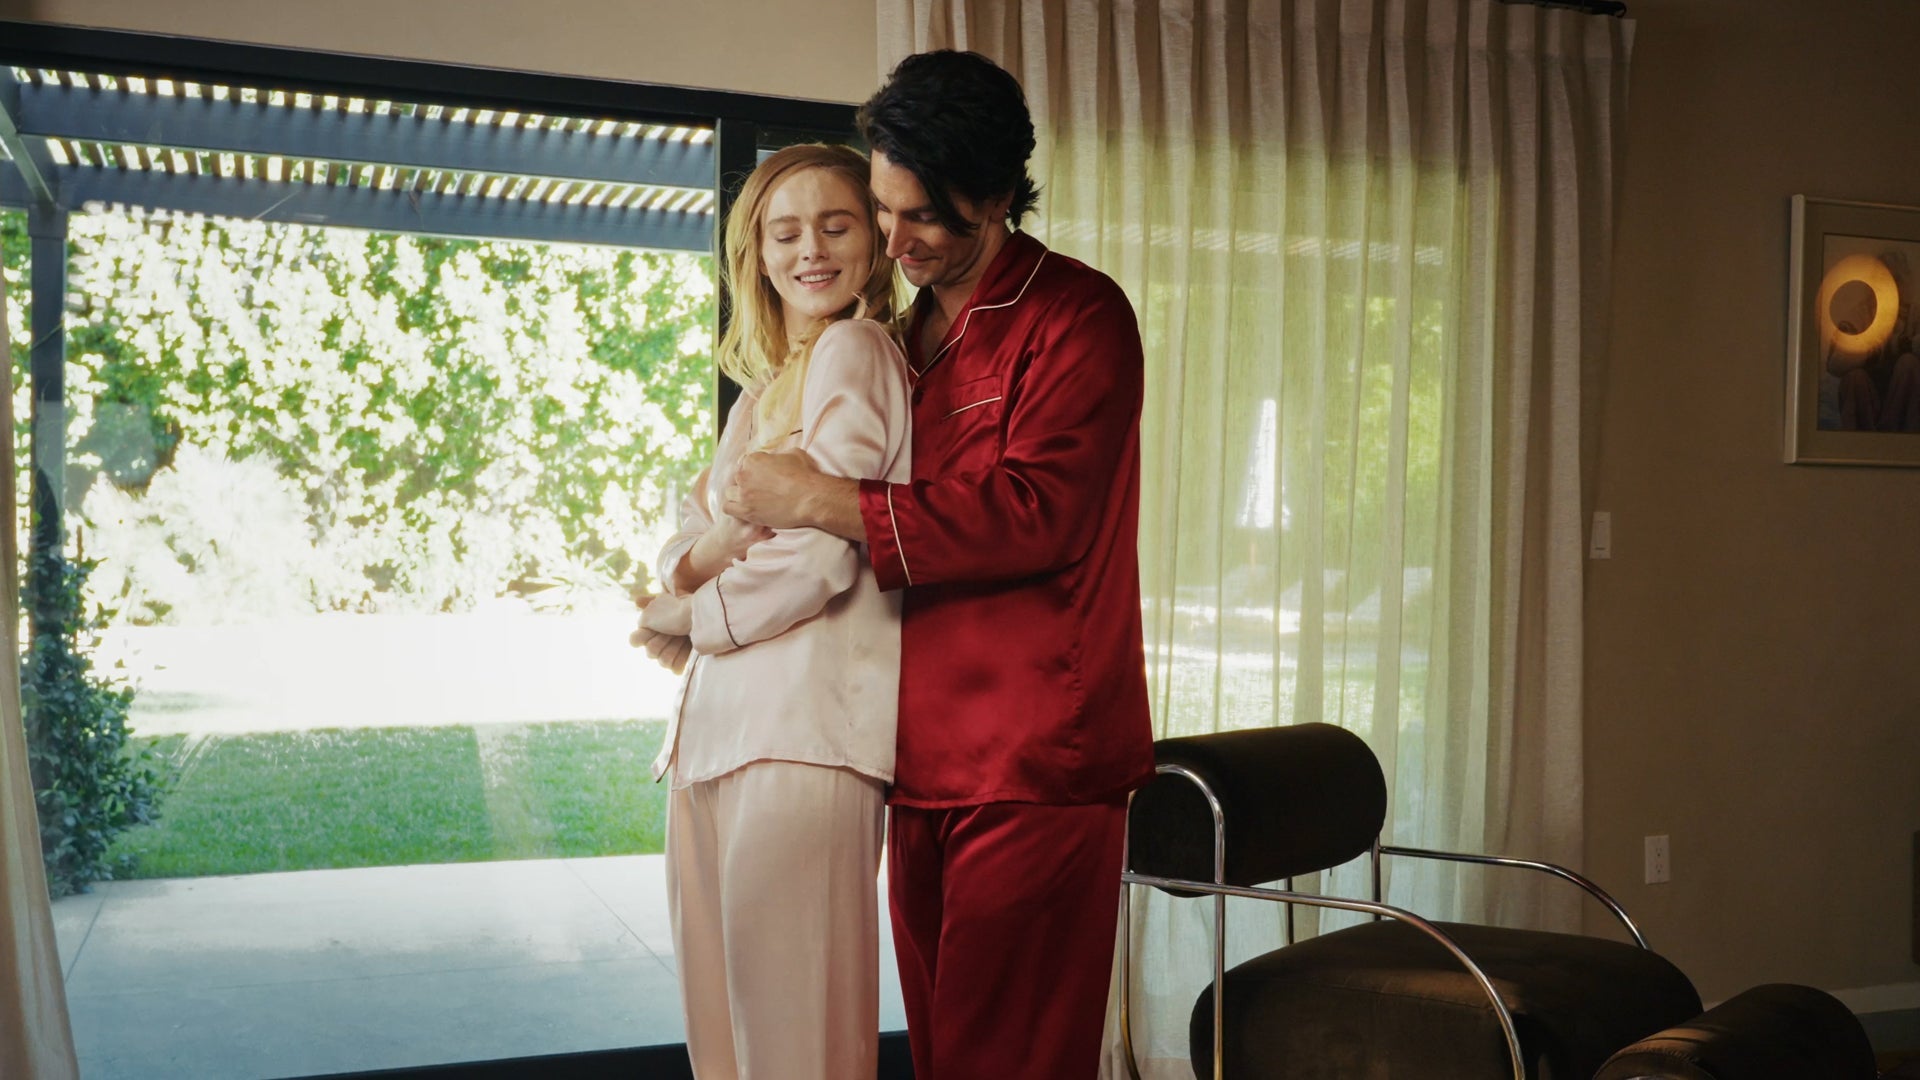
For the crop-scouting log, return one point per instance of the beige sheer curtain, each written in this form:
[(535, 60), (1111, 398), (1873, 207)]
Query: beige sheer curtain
[(35, 1040), (1369, 244)]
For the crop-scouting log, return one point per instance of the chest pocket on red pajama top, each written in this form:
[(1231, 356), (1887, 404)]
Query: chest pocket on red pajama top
[(963, 427)]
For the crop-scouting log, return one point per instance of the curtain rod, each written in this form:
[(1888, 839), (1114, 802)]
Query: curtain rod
[(1615, 8)]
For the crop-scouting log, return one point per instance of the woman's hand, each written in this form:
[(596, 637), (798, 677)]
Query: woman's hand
[(732, 536), (657, 633), (666, 614), (727, 539)]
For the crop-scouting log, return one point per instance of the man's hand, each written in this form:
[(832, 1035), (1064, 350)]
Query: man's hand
[(658, 615), (771, 489)]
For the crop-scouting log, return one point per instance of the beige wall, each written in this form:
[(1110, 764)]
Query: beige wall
[(822, 49), (1753, 674)]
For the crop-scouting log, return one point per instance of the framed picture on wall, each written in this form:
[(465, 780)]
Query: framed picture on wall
[(1853, 334)]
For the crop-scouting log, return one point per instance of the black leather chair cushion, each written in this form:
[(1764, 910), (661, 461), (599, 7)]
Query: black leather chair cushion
[(1338, 1006), (1296, 799), (1772, 1032)]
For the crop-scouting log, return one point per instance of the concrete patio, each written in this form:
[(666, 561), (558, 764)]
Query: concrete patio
[(328, 971)]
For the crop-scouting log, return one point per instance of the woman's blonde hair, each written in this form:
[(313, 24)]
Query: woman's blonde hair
[(754, 351)]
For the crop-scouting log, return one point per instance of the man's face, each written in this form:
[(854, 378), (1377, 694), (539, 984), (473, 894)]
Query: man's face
[(928, 254)]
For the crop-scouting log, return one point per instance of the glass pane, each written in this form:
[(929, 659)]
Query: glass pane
[(365, 508), (361, 510)]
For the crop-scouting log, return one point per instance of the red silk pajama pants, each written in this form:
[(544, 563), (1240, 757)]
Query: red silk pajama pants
[(1003, 918)]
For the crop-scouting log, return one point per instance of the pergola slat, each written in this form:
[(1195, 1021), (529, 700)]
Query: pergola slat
[(384, 210), (56, 111)]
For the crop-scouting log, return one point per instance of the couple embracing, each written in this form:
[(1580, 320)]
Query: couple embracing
[(907, 586)]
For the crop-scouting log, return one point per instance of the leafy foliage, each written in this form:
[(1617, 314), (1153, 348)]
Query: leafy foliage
[(88, 786), (387, 423)]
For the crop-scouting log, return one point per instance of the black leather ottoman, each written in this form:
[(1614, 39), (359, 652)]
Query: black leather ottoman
[(1772, 1032)]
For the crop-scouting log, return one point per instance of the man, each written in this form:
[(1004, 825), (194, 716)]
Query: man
[(1023, 705)]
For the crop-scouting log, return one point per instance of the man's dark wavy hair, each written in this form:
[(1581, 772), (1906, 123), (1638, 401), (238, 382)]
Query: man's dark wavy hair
[(959, 123)]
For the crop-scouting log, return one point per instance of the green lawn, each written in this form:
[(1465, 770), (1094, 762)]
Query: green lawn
[(392, 796)]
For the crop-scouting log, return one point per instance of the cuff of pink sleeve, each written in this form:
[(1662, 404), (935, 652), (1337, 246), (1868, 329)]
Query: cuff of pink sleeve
[(712, 633), (890, 568)]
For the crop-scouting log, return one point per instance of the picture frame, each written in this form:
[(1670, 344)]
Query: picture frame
[(1853, 334)]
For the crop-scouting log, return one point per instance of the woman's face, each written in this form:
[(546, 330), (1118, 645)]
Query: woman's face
[(816, 245)]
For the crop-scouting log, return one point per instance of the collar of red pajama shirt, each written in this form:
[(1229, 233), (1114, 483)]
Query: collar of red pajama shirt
[(1004, 283)]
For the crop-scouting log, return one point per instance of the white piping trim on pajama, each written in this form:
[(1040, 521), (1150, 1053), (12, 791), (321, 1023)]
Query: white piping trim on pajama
[(975, 405), (968, 319), (897, 546)]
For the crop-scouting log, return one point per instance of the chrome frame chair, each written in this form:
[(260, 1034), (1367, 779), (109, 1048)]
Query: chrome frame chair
[(1220, 890)]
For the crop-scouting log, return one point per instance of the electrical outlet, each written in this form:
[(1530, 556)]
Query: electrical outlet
[(1659, 867), (1600, 538)]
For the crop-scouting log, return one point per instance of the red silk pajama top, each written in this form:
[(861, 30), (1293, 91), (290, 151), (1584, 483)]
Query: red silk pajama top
[(1022, 673)]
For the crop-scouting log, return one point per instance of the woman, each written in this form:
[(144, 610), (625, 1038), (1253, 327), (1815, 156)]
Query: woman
[(782, 744)]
